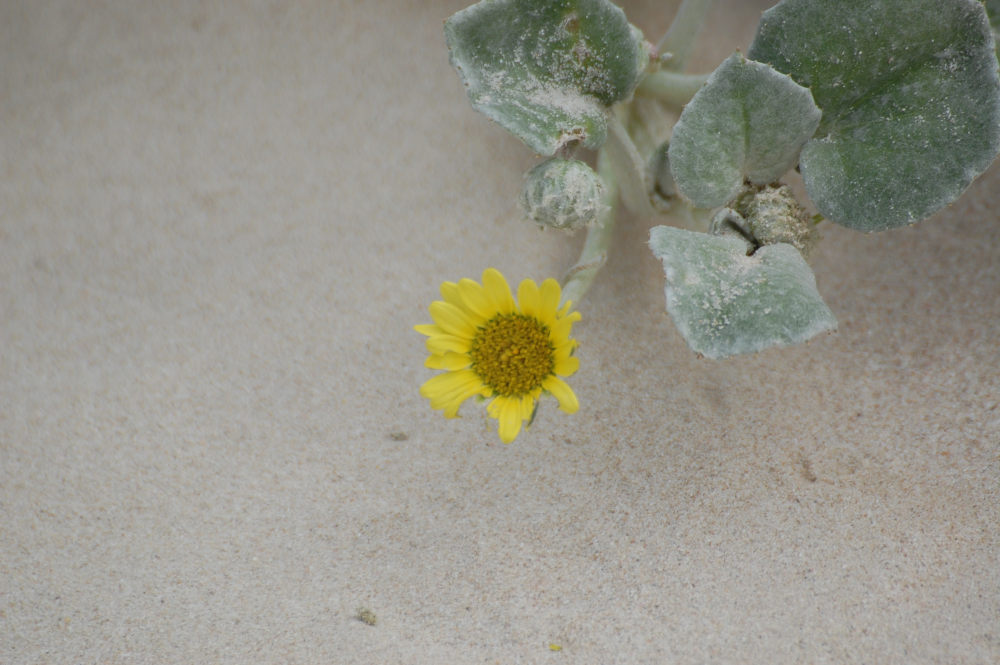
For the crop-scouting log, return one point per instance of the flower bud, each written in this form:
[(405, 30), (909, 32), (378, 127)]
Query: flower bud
[(563, 194), (773, 215)]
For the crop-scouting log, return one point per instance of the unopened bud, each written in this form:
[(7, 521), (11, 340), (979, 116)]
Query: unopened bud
[(563, 194), (773, 215)]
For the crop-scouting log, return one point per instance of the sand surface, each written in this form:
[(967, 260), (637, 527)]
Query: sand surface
[(218, 224)]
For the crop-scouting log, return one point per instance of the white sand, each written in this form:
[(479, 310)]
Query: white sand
[(217, 227)]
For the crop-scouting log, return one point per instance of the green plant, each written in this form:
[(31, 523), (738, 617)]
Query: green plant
[(888, 108)]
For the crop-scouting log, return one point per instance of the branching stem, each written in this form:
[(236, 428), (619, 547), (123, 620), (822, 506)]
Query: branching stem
[(680, 38), (671, 88), (595, 248), (629, 168)]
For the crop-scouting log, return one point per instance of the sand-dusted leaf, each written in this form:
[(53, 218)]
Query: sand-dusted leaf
[(547, 70), (910, 98), (748, 122), (725, 302), (993, 12)]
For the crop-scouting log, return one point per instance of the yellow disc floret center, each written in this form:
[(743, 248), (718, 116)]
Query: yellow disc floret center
[(512, 354)]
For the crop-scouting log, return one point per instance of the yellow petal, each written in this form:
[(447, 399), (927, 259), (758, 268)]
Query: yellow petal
[(562, 392), (450, 361), (527, 407), (451, 411), (528, 298), (448, 391), (450, 402), (499, 292), (454, 294), (508, 415), (442, 385), (441, 344), (549, 295), (434, 361), (428, 329), (493, 408), (451, 319), (476, 299), (574, 316), (559, 332), (449, 291), (564, 349), (566, 366)]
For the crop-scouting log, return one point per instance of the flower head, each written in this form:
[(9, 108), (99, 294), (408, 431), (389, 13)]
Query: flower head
[(491, 346)]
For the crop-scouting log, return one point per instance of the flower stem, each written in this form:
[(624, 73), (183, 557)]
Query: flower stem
[(628, 167), (680, 38), (595, 248), (671, 88)]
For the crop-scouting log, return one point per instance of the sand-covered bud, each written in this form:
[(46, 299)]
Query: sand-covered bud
[(773, 215), (563, 194)]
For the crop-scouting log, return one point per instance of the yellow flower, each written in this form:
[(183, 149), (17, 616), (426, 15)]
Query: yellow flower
[(491, 346)]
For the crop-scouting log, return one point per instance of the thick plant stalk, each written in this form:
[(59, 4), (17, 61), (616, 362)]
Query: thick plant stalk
[(595, 248), (673, 89), (680, 38), (629, 168)]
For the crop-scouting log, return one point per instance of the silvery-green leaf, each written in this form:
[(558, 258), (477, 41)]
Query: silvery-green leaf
[(547, 70), (993, 12), (748, 122), (910, 98), (725, 302)]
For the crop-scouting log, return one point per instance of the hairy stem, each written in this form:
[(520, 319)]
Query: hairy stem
[(680, 38), (650, 123), (671, 88), (595, 248), (629, 168)]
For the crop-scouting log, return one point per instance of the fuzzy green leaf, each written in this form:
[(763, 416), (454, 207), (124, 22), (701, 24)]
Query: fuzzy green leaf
[(725, 302), (547, 70), (993, 12), (910, 98), (747, 122)]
